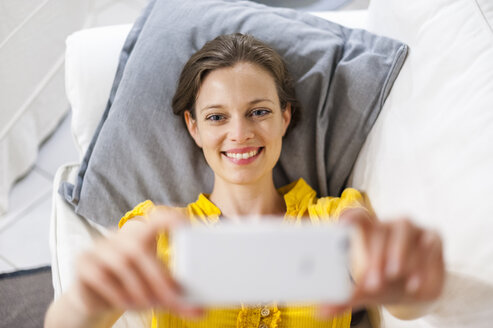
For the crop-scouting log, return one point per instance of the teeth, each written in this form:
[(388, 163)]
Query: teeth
[(242, 155)]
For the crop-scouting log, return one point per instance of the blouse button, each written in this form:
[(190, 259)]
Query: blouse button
[(265, 312), (262, 325)]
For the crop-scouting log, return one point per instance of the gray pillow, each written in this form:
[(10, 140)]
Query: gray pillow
[(142, 151)]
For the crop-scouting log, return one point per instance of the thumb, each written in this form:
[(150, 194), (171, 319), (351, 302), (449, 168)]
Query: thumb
[(162, 219), (358, 216), (360, 219)]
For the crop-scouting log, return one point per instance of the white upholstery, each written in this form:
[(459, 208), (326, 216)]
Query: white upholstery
[(350, 18), (90, 65), (91, 60), (430, 154)]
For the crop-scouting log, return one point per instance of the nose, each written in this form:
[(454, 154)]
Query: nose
[(240, 130)]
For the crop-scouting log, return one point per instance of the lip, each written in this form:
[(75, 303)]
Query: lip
[(241, 161)]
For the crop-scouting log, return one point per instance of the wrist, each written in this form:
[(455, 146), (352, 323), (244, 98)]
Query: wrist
[(89, 312), (410, 311)]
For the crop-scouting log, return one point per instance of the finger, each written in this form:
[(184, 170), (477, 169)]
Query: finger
[(173, 300), (100, 281), (123, 262), (357, 216), (89, 299), (156, 276), (327, 311), (431, 269), (374, 242), (402, 239), (160, 221), (410, 278), (373, 280), (163, 217), (356, 302), (359, 255), (166, 293), (152, 272), (359, 242), (413, 277)]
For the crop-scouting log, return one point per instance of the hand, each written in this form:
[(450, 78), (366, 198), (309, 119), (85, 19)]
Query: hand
[(395, 263), (122, 272)]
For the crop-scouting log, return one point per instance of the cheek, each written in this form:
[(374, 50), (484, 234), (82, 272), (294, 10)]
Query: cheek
[(272, 138), (211, 140), (274, 152), (273, 133)]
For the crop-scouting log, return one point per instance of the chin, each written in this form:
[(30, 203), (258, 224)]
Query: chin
[(244, 178)]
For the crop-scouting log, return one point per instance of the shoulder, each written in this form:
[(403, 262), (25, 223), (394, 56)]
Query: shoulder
[(351, 194), (143, 209), (333, 206), (182, 211), (348, 195)]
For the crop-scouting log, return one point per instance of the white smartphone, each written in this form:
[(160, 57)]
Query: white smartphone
[(261, 261)]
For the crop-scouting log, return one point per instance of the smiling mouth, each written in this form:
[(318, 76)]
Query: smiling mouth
[(246, 155)]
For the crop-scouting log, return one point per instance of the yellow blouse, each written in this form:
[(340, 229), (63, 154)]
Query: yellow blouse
[(302, 204)]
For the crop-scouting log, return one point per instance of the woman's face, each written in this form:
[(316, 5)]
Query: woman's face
[(239, 123)]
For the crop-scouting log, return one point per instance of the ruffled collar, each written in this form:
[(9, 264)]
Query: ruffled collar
[(298, 195)]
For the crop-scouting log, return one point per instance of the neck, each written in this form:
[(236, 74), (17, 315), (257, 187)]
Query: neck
[(259, 198)]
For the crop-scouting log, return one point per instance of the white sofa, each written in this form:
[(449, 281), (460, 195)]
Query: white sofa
[(429, 155)]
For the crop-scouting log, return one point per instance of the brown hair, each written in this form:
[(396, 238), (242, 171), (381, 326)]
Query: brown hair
[(226, 51)]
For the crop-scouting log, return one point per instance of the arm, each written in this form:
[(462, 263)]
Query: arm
[(67, 311), (121, 272), (73, 309)]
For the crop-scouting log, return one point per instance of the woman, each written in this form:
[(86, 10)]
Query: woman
[(238, 102)]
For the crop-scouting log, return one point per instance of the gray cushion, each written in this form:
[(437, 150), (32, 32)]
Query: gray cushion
[(142, 151)]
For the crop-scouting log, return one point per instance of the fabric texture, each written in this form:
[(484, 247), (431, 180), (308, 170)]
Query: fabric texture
[(142, 151), (430, 155), (25, 298), (90, 69), (302, 204)]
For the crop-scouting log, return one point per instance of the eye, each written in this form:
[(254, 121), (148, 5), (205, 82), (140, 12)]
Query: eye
[(259, 112), (214, 117)]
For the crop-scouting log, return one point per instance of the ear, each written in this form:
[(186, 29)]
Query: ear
[(192, 127), (286, 115)]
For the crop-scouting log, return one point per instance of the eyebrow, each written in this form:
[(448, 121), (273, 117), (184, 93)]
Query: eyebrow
[(253, 102)]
